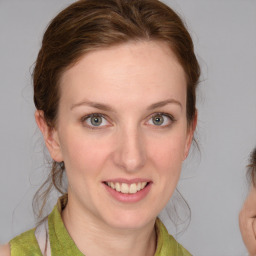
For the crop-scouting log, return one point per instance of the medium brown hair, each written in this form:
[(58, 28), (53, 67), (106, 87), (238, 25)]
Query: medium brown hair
[(251, 168), (88, 25)]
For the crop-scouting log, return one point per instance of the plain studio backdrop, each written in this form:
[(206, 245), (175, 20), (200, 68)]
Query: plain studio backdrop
[(213, 182)]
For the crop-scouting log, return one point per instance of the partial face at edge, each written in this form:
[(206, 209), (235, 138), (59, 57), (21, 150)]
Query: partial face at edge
[(122, 123)]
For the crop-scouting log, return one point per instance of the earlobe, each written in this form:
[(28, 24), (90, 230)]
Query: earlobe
[(50, 135), (190, 135)]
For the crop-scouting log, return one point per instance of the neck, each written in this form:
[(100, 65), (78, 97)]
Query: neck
[(88, 233)]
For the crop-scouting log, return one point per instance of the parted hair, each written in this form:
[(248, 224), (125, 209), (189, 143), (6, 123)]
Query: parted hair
[(88, 25)]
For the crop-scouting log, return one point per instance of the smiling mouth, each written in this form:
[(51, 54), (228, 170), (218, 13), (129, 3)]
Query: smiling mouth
[(127, 188)]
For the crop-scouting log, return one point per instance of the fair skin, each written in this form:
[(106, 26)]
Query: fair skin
[(247, 222), (5, 250), (121, 125)]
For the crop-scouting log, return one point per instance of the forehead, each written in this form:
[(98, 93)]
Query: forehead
[(132, 69)]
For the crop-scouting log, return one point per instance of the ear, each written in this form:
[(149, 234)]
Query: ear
[(50, 135), (190, 135)]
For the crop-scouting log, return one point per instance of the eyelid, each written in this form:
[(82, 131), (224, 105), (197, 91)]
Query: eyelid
[(171, 117), (86, 117)]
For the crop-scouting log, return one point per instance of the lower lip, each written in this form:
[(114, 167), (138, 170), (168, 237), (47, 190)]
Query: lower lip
[(129, 198)]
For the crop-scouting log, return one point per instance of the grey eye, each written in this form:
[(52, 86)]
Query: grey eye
[(96, 120), (158, 120)]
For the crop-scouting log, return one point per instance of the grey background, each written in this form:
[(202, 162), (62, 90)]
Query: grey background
[(213, 183)]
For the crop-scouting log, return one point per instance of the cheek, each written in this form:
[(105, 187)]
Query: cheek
[(167, 158), (83, 153), (168, 154)]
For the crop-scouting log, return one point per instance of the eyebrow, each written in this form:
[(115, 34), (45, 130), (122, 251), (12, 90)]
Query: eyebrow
[(163, 103), (93, 104), (110, 109)]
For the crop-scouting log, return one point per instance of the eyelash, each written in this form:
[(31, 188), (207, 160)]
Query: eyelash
[(170, 117), (85, 118)]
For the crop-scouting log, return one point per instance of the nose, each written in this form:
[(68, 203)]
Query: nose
[(130, 153)]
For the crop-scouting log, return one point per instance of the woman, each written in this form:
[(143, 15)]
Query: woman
[(247, 215), (114, 89)]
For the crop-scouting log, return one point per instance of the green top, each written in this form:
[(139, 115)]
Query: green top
[(62, 244)]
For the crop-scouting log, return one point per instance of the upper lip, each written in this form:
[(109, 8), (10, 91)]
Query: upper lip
[(127, 181)]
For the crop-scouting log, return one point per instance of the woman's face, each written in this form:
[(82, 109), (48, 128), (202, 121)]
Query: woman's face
[(122, 132)]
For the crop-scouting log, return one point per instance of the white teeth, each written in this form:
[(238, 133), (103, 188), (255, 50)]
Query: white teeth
[(117, 187), (133, 189), (126, 188), (143, 184)]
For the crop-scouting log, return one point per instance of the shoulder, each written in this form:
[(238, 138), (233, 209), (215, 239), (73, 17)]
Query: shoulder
[(25, 244), (5, 250)]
